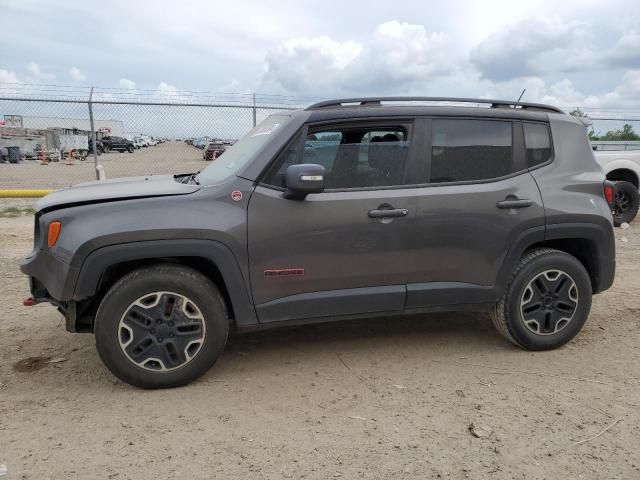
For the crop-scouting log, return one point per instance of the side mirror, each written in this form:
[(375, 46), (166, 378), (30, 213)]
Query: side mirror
[(303, 179)]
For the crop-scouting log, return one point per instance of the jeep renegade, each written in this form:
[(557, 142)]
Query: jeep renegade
[(356, 207)]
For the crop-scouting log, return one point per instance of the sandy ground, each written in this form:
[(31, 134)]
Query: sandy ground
[(169, 157), (385, 398)]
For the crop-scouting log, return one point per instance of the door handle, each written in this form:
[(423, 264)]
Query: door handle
[(515, 203), (389, 213)]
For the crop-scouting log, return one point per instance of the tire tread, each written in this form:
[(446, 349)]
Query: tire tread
[(176, 270), (498, 315)]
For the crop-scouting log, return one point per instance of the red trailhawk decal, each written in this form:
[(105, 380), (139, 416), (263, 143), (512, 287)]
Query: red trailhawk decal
[(284, 272)]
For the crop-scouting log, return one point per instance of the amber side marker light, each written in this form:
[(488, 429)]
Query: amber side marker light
[(54, 233)]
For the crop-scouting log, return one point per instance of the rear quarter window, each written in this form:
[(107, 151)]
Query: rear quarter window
[(537, 141)]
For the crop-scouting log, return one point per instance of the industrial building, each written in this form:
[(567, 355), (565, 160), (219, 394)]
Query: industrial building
[(106, 127)]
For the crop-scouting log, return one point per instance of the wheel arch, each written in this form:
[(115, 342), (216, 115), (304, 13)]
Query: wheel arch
[(583, 249), (592, 244), (213, 259), (624, 174)]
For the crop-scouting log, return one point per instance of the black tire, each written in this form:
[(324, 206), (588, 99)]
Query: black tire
[(130, 149), (509, 312), (626, 204), (162, 282)]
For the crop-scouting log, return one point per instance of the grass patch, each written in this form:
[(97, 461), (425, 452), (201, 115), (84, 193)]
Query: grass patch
[(13, 212)]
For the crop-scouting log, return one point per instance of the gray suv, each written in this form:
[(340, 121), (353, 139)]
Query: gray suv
[(356, 207)]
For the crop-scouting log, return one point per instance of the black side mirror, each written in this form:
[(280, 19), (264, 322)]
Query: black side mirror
[(303, 179)]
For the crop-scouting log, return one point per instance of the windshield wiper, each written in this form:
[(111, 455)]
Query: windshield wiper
[(188, 178)]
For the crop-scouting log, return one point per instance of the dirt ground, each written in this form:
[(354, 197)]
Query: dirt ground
[(384, 398), (169, 157)]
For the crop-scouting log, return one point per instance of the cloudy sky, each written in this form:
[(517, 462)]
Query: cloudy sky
[(569, 53)]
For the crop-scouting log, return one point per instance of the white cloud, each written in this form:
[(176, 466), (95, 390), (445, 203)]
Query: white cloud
[(36, 72), (532, 46), (624, 96), (167, 89), (76, 75), (303, 64), (396, 57), (127, 84), (8, 77), (626, 51), (171, 93)]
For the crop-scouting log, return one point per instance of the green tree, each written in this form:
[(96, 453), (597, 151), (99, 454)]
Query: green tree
[(624, 134)]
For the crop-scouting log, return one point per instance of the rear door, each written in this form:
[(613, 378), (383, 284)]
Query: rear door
[(477, 199), (341, 251)]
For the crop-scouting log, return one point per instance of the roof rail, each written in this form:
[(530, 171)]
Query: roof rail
[(370, 101)]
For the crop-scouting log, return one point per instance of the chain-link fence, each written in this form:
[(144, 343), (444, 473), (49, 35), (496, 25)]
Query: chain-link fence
[(47, 132), (48, 143)]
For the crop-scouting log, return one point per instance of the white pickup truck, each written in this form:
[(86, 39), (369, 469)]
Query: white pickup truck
[(623, 167)]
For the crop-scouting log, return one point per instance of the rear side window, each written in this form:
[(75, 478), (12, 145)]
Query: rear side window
[(353, 157), (537, 141), (466, 150)]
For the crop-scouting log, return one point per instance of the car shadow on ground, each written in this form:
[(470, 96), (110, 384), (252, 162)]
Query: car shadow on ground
[(434, 336), (475, 327)]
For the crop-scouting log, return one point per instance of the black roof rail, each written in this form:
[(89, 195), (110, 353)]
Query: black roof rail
[(370, 101)]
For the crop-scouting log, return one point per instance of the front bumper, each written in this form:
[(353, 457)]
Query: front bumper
[(50, 278), (52, 281)]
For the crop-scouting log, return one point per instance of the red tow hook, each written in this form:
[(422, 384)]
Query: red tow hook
[(29, 302)]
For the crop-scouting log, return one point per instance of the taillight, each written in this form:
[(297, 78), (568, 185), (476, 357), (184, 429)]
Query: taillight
[(609, 190), (54, 233)]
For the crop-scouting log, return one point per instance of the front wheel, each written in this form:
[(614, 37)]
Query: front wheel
[(161, 326), (546, 302), (626, 203)]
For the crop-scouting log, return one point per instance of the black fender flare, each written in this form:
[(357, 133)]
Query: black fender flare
[(96, 263), (599, 234), (521, 243)]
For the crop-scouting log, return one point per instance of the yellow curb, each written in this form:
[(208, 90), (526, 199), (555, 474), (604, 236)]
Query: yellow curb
[(24, 193)]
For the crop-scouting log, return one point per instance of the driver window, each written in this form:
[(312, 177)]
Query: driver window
[(353, 157)]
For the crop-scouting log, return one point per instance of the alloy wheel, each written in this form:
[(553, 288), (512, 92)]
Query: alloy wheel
[(161, 331), (622, 202), (549, 302)]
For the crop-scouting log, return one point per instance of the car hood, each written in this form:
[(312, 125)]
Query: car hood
[(116, 189)]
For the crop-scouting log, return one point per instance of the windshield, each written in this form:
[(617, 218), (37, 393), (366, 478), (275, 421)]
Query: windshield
[(242, 152)]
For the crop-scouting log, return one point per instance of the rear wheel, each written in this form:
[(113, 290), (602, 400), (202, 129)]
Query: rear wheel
[(626, 203), (547, 301), (161, 326), (130, 149)]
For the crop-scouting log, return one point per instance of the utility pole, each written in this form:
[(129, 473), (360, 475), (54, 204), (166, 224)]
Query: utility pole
[(254, 109), (93, 135)]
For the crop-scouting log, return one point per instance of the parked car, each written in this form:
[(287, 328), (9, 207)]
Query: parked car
[(391, 210), (200, 143), (623, 167), (139, 142), (213, 151), (117, 144)]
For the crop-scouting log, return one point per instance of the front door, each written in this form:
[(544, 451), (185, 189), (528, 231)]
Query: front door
[(342, 251)]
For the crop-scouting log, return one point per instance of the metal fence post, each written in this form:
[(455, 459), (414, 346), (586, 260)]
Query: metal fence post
[(93, 135), (254, 109)]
